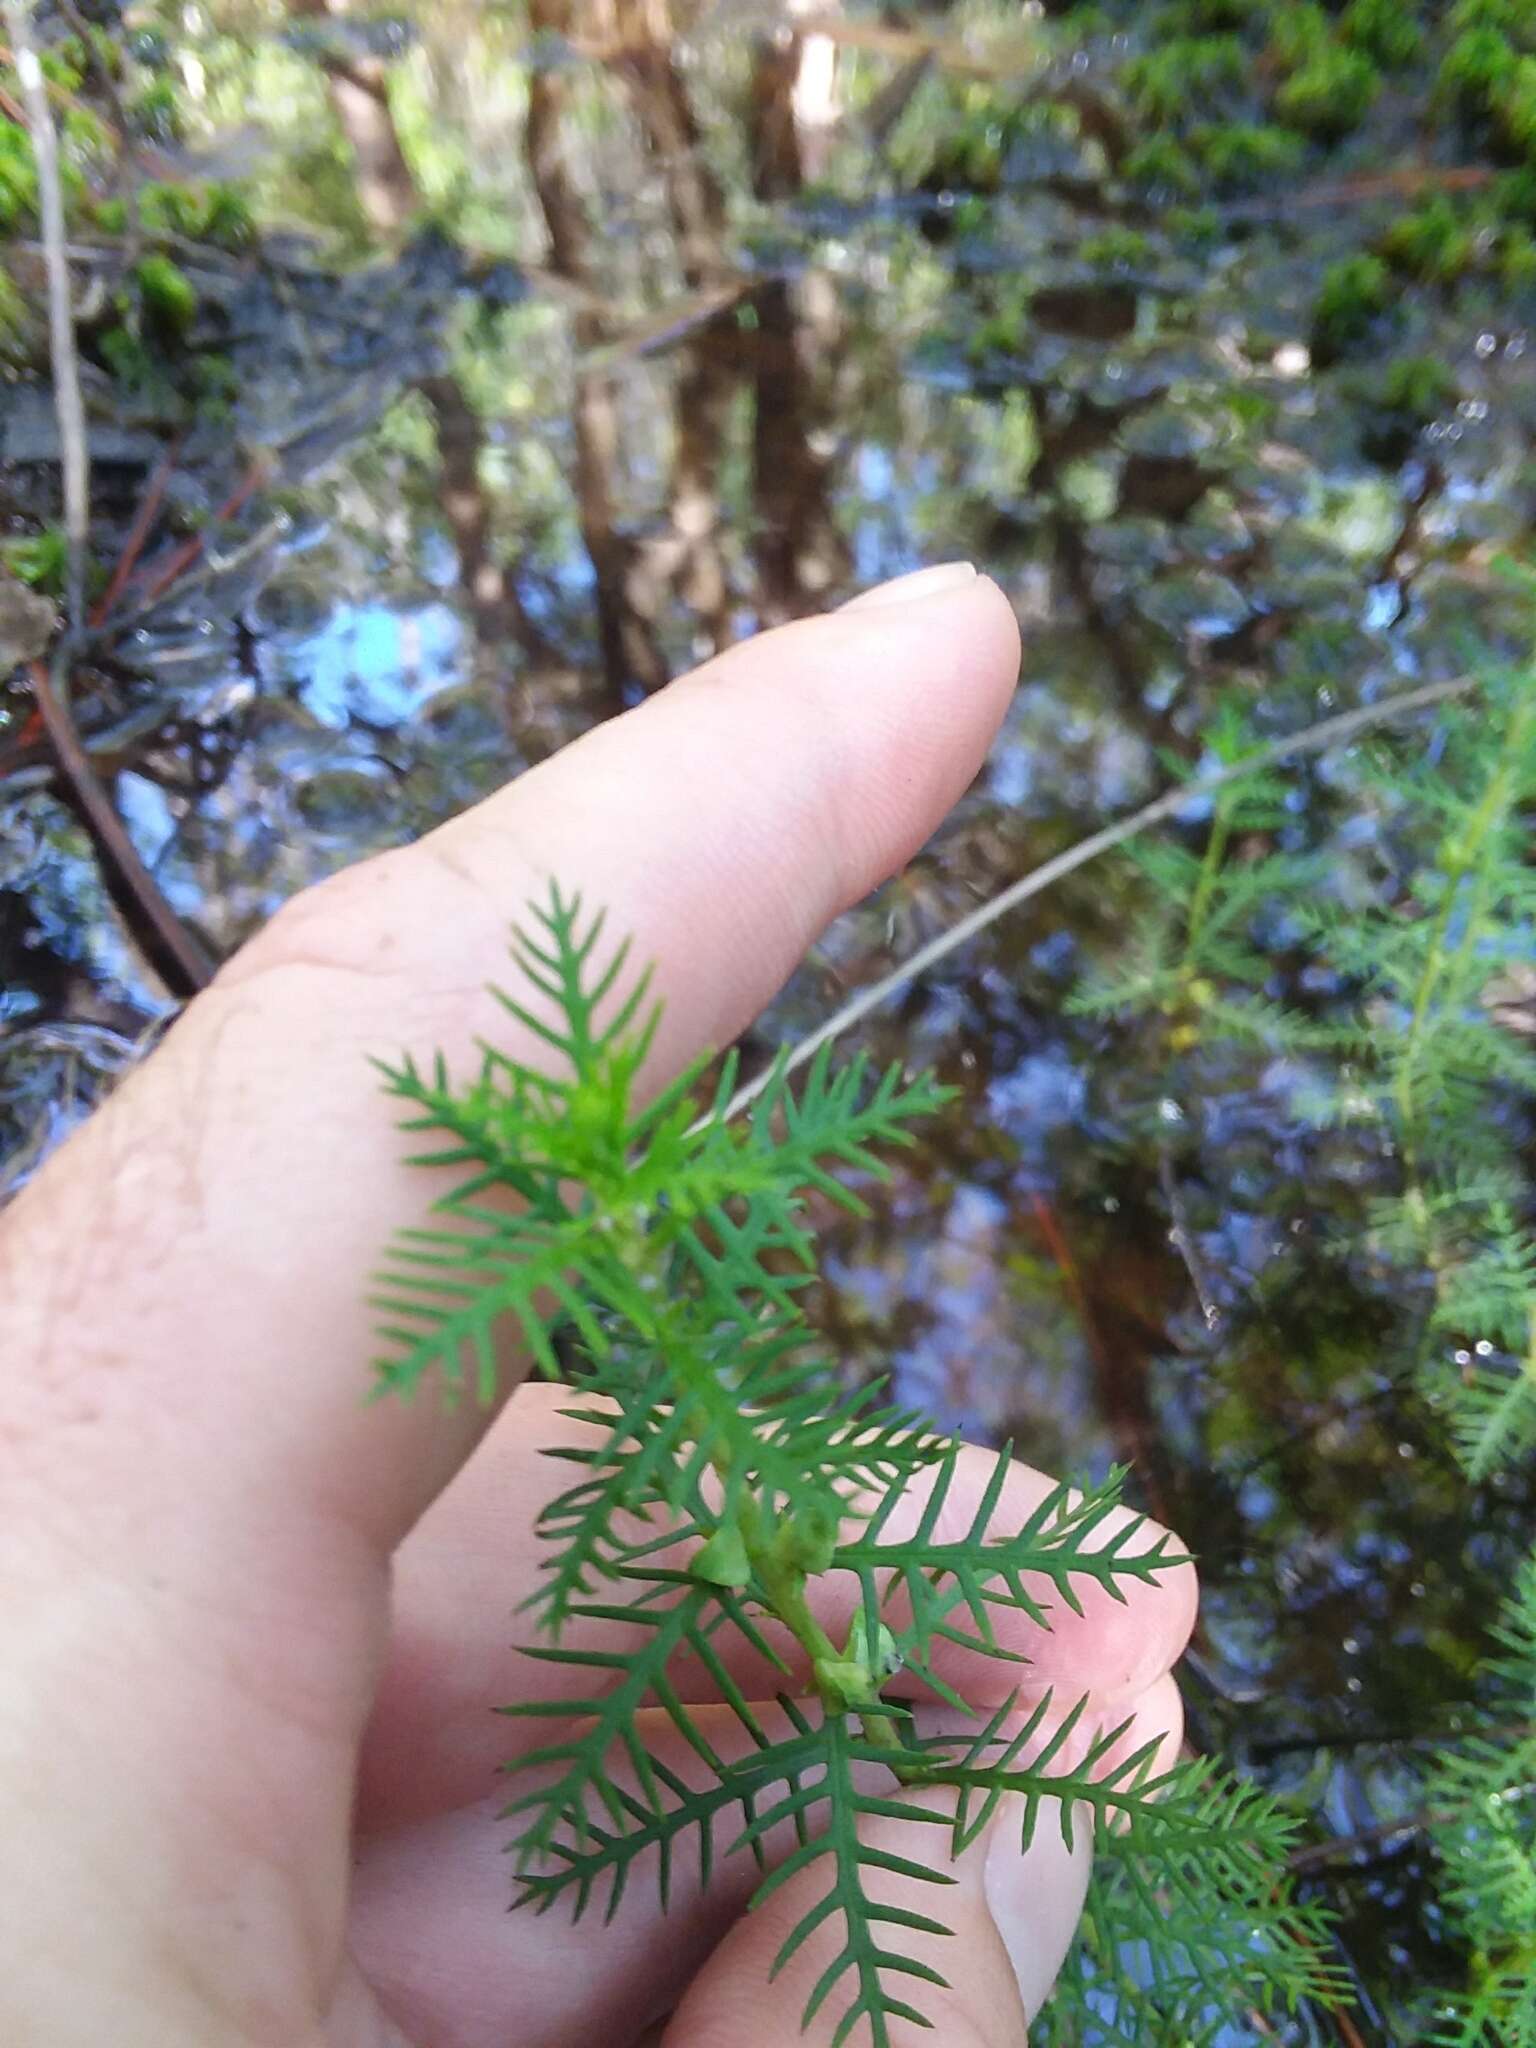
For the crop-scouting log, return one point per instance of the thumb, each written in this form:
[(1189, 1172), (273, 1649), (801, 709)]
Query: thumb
[(1011, 1915)]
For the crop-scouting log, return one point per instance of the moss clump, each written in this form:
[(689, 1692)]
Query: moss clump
[(39, 560), (1512, 195), (1118, 248), (1515, 19), (1475, 69), (63, 64), (166, 295), (18, 176), (156, 112), (199, 213), (1241, 155), (1517, 260), (1298, 34), (1418, 388), (1352, 294), (1160, 164), (1514, 107), (1384, 29), (1330, 95), (1168, 83), (1432, 243)]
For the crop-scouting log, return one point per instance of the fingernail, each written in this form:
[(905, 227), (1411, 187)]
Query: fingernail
[(1036, 1898), (922, 583)]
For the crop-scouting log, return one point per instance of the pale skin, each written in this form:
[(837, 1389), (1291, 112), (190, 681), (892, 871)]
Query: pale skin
[(254, 1626)]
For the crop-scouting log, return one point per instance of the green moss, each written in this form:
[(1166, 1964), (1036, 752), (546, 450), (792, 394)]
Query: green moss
[(156, 111), (1117, 248), (83, 133), (227, 217), (1418, 388), (14, 311), (18, 176), (1474, 69), (166, 294), (1384, 29), (1515, 19), (1330, 95), (1512, 195), (125, 355), (64, 64), (39, 560), (1241, 155), (1353, 292), (1298, 34), (1162, 165), (1431, 243), (1517, 260), (1197, 227), (1514, 107), (1179, 77), (199, 213)]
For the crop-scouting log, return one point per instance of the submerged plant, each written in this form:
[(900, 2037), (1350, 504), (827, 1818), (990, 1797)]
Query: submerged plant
[(734, 1493), (1483, 1824), (1436, 1070), (1202, 961)]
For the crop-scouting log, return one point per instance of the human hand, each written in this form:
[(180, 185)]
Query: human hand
[(254, 1627)]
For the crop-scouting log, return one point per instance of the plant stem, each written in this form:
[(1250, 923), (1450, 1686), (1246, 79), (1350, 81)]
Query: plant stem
[(1316, 739), (784, 1584)]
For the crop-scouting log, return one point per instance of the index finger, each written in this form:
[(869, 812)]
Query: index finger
[(187, 1276)]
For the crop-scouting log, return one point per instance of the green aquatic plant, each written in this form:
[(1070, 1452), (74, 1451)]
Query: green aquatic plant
[(1202, 961), (654, 1255), (1436, 1064), (1435, 1069), (1482, 1825)]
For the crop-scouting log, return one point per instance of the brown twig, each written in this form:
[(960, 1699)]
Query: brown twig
[(176, 954), (138, 533), (183, 557), (1404, 183)]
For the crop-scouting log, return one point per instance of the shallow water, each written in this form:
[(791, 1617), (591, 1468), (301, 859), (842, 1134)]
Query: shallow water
[(506, 488)]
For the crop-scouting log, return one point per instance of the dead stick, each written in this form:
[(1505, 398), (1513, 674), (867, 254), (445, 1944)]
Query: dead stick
[(61, 316), (1315, 739), (189, 550), (175, 944), (138, 533)]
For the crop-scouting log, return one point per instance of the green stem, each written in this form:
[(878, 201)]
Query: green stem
[(783, 1583), (1205, 887)]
